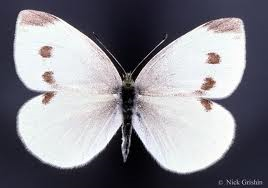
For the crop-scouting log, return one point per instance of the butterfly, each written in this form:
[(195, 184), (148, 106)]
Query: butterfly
[(85, 98)]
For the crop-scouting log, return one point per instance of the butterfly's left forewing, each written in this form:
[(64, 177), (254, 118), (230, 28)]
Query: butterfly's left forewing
[(51, 55)]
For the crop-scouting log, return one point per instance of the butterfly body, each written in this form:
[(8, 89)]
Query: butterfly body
[(128, 96)]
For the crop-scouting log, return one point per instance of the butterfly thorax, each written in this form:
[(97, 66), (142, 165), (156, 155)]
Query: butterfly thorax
[(128, 102)]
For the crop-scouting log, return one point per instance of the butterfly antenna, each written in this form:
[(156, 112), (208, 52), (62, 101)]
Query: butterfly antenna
[(143, 60), (122, 70)]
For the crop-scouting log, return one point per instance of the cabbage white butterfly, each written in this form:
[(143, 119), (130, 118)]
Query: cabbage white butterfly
[(85, 101)]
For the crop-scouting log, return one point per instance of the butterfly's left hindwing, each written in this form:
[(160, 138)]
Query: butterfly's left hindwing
[(67, 129)]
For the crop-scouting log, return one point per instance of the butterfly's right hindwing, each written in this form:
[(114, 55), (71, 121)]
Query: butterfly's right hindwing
[(184, 135)]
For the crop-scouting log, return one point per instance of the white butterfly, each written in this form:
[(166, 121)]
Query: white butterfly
[(85, 101)]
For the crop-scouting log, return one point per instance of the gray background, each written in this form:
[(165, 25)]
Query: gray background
[(130, 29)]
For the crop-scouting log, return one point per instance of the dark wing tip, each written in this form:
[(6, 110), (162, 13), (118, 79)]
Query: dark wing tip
[(35, 18), (222, 25)]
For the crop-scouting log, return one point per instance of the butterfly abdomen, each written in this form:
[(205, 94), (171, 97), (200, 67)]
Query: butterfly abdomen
[(128, 101)]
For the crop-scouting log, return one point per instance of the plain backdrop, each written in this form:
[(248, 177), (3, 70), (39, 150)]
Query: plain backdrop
[(130, 29)]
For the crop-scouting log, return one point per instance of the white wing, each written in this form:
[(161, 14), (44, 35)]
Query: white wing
[(183, 131), (208, 61), (52, 55), (78, 113), (67, 129), (184, 135)]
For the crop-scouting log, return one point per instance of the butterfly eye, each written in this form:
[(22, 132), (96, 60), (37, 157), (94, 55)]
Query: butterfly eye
[(128, 81)]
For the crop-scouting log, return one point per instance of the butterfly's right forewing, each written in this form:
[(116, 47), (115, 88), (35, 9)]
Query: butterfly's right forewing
[(208, 61)]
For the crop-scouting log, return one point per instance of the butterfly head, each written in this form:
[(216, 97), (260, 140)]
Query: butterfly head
[(128, 81)]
